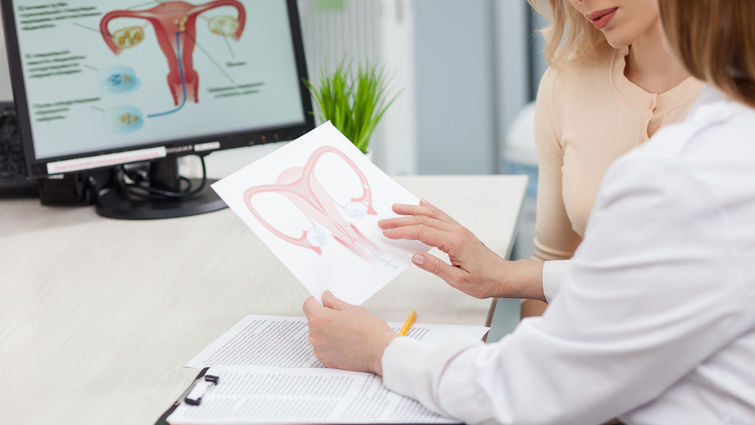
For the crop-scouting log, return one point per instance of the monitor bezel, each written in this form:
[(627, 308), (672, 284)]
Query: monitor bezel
[(37, 167)]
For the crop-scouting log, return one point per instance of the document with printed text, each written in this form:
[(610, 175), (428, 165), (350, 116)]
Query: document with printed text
[(278, 341)]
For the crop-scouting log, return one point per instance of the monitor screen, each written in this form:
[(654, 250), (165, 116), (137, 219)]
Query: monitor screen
[(104, 82)]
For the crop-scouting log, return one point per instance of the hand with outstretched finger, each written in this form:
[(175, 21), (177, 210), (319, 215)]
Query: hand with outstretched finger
[(474, 269), (346, 336)]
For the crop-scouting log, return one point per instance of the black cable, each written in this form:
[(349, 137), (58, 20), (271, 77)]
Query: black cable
[(141, 187), (11, 150)]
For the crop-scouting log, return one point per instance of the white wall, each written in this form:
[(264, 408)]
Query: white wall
[(395, 144), (378, 30), (374, 30)]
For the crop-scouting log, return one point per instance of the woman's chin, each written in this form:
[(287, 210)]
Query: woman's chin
[(618, 42)]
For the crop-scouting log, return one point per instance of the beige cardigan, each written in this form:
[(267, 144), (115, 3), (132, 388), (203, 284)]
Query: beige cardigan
[(587, 115)]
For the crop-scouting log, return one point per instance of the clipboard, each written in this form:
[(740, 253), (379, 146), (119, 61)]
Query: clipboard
[(185, 398), (163, 419)]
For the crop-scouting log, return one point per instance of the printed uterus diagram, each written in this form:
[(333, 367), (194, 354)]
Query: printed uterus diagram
[(174, 24), (328, 218)]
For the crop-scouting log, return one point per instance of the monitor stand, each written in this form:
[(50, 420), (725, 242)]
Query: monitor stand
[(116, 202)]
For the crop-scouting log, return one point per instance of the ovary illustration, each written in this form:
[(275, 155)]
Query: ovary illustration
[(129, 37), (174, 23), (302, 188)]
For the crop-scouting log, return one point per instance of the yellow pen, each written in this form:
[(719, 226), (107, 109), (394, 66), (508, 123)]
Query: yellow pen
[(408, 323)]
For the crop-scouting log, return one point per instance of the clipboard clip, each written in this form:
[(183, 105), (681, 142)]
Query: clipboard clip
[(200, 389)]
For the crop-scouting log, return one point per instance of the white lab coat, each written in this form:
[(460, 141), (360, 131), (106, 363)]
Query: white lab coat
[(653, 319)]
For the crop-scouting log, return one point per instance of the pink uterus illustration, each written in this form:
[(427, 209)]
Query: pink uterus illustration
[(304, 190), (174, 23)]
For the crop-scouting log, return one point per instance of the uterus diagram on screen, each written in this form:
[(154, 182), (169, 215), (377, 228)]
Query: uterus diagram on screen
[(174, 24), (327, 217)]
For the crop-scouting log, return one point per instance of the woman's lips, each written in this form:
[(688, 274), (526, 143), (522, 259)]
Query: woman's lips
[(601, 18)]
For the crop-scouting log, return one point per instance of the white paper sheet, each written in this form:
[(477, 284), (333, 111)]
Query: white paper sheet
[(315, 203), (278, 341), (273, 395)]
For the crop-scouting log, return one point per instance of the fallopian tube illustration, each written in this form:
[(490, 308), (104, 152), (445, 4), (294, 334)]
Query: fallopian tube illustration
[(301, 187), (175, 27)]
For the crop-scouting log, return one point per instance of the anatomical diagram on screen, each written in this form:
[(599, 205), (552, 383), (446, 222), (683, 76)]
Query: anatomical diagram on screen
[(175, 28)]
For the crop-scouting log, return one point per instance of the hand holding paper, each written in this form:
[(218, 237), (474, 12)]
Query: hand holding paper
[(345, 336)]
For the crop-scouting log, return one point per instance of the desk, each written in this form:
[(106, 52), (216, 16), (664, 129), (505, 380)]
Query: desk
[(98, 316)]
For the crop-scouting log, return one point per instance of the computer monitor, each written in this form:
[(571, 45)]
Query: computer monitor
[(6, 93), (101, 84)]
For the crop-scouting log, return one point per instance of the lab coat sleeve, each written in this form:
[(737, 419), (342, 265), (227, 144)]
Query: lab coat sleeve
[(649, 295), (553, 275), (405, 353)]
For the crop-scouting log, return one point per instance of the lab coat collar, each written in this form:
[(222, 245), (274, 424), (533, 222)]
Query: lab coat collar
[(710, 94)]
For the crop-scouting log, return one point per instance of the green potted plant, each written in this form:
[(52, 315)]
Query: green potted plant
[(354, 102)]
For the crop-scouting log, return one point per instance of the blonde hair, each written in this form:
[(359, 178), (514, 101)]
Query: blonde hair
[(715, 40), (569, 36)]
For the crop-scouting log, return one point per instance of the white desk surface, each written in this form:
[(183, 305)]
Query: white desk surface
[(98, 316)]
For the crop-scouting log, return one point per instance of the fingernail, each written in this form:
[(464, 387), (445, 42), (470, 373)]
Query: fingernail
[(423, 202), (418, 259)]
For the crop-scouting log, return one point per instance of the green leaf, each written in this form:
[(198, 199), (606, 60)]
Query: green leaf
[(354, 102)]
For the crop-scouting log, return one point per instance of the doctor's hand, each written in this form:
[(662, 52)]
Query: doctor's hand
[(346, 336), (474, 269)]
